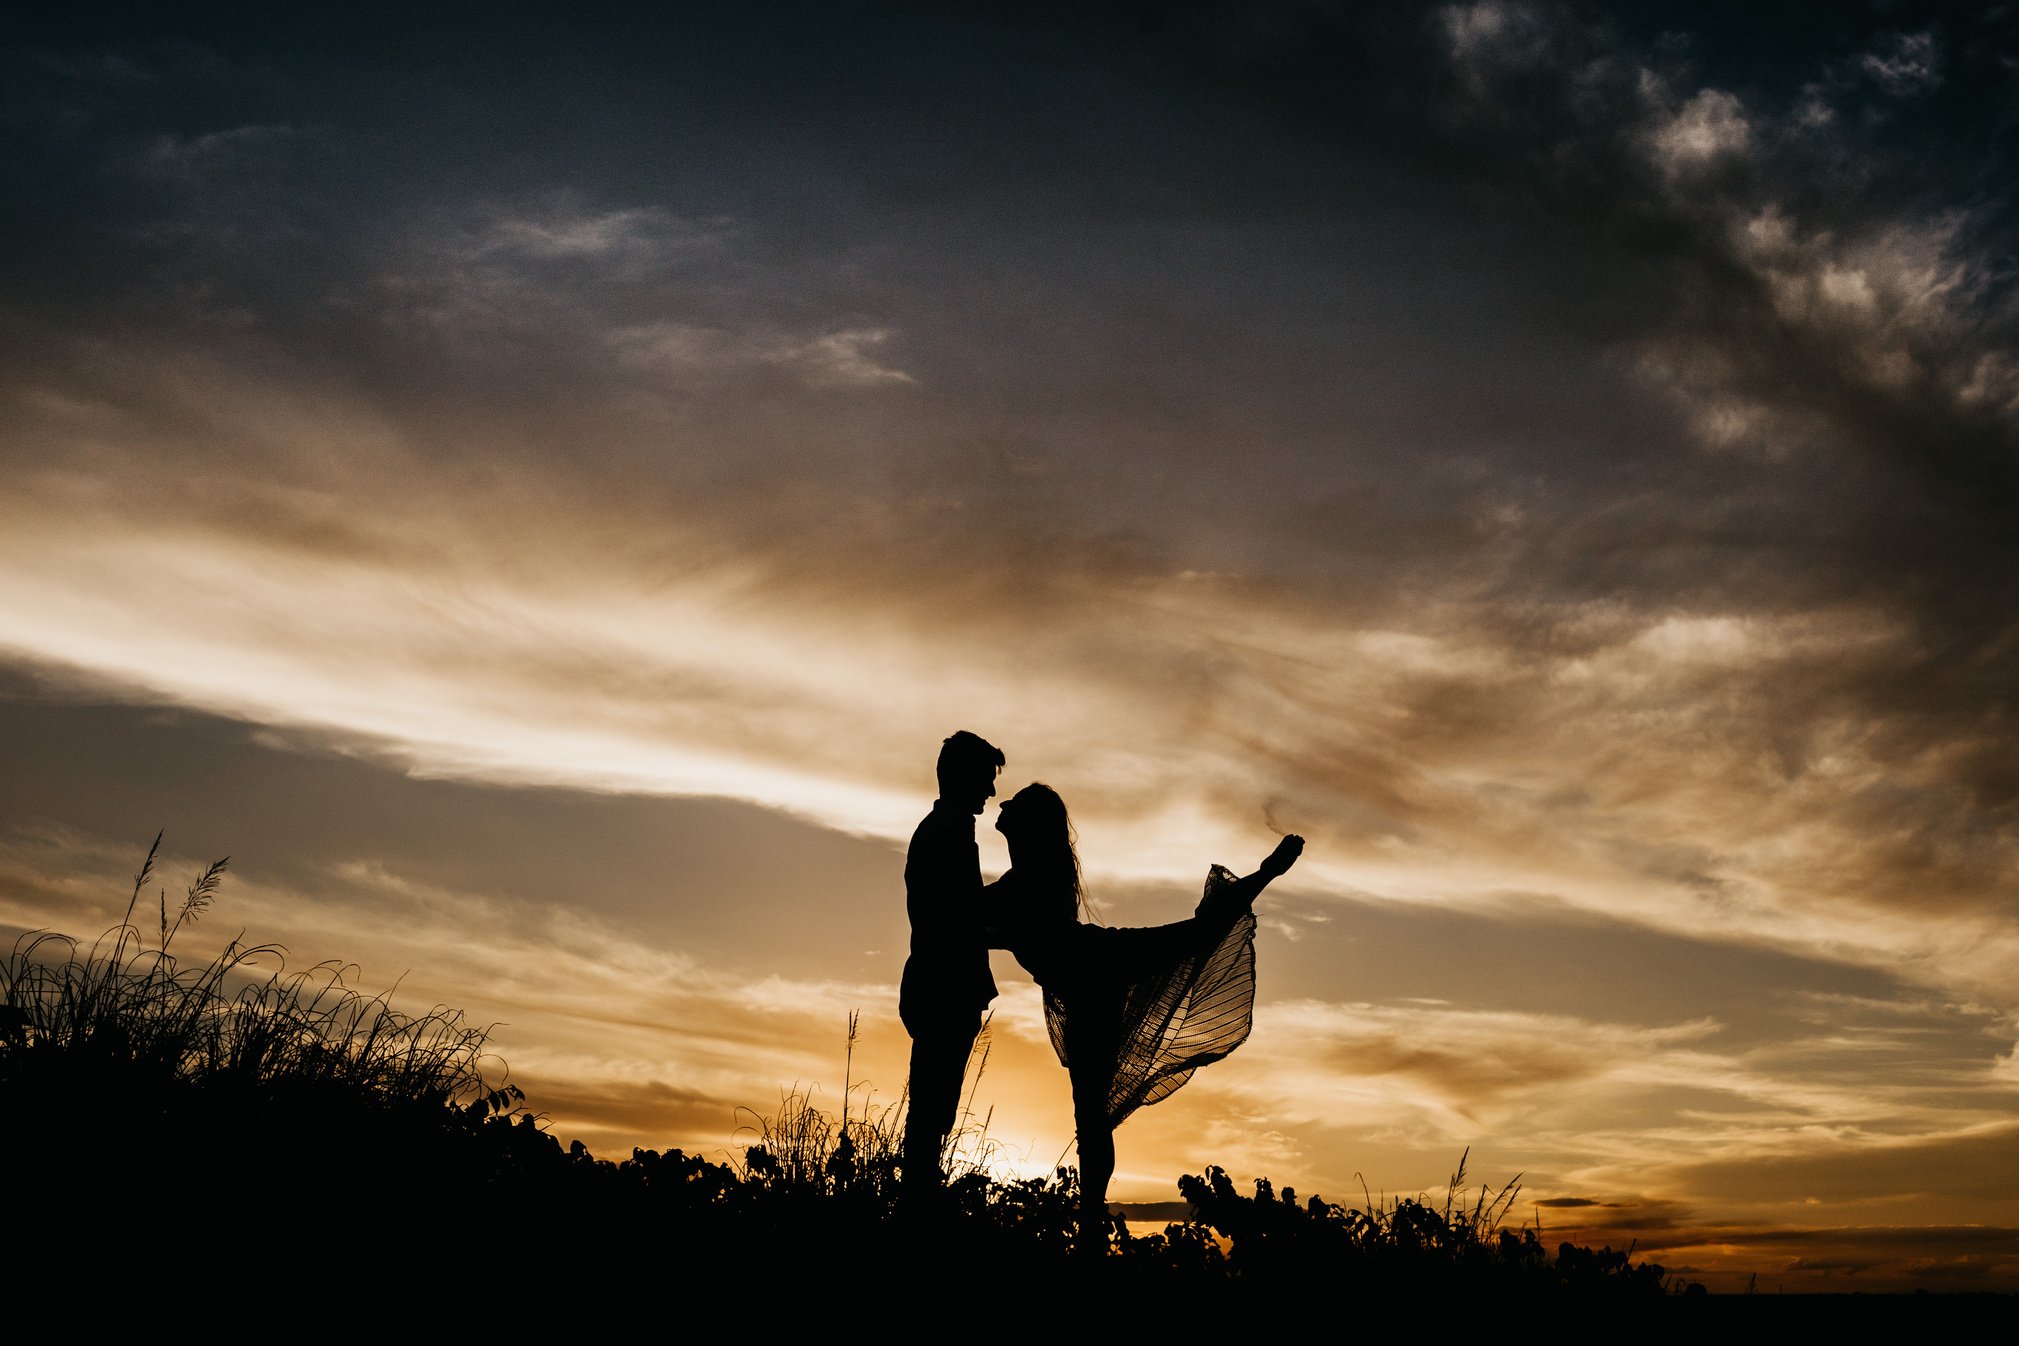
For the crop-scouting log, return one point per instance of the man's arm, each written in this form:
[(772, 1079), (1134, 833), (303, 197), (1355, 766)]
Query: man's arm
[(942, 881)]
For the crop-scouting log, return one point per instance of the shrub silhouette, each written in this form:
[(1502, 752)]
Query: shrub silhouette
[(1405, 1245)]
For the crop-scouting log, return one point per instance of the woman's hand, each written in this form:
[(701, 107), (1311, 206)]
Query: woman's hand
[(1286, 853)]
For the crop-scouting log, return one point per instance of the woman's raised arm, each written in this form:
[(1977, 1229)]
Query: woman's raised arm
[(1242, 892)]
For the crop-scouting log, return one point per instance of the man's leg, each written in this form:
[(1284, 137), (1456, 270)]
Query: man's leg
[(938, 1066)]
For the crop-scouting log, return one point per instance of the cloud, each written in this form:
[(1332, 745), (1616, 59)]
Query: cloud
[(1438, 1076), (667, 660), (647, 235), (1493, 34), (193, 154), (1556, 1094), (666, 299), (1906, 65), (841, 359), (1710, 125)]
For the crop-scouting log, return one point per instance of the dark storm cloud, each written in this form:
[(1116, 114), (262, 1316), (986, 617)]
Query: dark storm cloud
[(1151, 235), (1841, 277), (1806, 253)]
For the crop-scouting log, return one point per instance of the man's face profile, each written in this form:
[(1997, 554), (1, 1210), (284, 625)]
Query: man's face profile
[(967, 770), (977, 785), (971, 786)]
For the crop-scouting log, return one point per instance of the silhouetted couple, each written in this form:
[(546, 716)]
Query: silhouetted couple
[(1132, 1012)]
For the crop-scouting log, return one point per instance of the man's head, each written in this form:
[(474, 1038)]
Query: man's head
[(967, 767)]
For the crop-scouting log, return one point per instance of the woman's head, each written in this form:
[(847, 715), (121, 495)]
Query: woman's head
[(1040, 837)]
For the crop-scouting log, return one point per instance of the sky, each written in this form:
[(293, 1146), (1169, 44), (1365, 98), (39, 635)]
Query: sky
[(534, 488)]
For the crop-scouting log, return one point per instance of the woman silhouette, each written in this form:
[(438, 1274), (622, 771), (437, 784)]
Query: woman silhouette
[(1132, 1012)]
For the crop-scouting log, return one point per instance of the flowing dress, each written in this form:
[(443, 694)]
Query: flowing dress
[(1134, 1011)]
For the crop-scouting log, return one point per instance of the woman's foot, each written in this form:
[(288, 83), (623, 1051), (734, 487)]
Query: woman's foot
[(1096, 1229)]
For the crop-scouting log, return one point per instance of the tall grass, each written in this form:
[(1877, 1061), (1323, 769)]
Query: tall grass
[(859, 1151), (122, 1008)]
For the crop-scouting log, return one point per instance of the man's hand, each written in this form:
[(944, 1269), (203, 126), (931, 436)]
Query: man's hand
[(1286, 853)]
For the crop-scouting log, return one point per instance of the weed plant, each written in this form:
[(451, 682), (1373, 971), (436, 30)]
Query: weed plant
[(132, 1080), (128, 1013), (857, 1156)]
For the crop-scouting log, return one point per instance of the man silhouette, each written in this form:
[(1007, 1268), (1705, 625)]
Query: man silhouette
[(946, 979)]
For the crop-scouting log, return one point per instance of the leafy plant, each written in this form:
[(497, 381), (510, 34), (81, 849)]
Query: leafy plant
[(1404, 1243)]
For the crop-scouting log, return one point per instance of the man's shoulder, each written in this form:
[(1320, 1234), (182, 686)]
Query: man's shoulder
[(943, 824), (942, 846)]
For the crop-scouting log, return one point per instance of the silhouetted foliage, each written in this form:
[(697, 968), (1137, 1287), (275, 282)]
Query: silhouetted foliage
[(1407, 1245), (296, 1138)]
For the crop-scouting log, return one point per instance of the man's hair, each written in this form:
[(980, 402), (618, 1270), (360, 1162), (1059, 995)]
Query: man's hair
[(963, 751)]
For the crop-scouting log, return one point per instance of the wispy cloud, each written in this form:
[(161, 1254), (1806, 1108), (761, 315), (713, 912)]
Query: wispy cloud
[(668, 299), (843, 359), (1905, 65)]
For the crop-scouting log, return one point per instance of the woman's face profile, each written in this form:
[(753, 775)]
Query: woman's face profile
[(1010, 817)]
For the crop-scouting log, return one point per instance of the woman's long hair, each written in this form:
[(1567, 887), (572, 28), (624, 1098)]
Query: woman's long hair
[(1043, 848)]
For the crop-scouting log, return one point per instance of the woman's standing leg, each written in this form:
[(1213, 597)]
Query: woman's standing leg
[(1096, 1146), (1091, 1044)]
